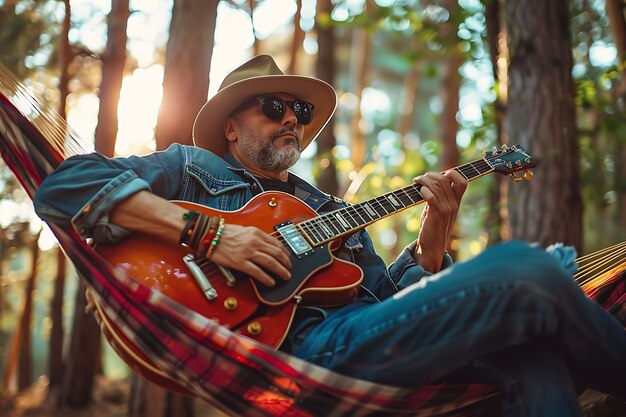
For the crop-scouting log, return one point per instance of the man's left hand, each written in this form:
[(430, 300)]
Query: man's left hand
[(442, 193)]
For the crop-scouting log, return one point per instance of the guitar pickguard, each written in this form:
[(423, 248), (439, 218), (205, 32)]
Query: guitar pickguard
[(301, 270)]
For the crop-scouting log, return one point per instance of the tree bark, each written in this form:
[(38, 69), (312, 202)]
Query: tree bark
[(497, 220), (55, 355), (113, 62), (617, 24), (298, 38), (187, 66), (361, 50), (541, 117), (24, 375), (82, 356), (325, 69)]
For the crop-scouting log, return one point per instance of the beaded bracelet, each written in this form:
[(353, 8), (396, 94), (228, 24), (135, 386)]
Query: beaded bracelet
[(216, 239), (209, 235)]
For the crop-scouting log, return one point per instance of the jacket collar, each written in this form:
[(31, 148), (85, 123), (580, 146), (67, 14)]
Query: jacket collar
[(306, 192)]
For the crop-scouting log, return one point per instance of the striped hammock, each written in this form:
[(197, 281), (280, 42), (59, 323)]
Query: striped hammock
[(235, 374)]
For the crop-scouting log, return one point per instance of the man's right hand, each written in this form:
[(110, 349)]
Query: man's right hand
[(250, 250)]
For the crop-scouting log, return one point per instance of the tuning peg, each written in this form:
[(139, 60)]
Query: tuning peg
[(505, 148), (516, 179), (528, 175)]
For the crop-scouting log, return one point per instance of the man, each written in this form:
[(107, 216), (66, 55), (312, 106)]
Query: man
[(512, 315)]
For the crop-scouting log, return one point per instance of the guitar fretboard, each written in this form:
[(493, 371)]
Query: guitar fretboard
[(347, 220)]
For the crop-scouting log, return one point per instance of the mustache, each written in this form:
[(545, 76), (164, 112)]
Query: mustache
[(287, 129)]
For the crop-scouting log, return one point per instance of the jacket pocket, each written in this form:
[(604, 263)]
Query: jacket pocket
[(223, 194)]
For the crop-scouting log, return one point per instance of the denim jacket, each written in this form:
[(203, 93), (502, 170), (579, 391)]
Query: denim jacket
[(84, 189)]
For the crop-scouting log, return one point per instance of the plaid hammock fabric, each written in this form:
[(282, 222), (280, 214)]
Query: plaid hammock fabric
[(236, 374)]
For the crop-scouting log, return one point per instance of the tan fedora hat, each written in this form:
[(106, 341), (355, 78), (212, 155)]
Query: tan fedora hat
[(259, 76)]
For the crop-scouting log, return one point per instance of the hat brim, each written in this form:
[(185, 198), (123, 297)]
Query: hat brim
[(208, 128)]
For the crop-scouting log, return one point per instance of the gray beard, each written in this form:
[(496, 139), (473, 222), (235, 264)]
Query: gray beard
[(269, 158)]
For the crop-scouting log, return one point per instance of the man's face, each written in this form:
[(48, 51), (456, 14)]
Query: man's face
[(272, 145)]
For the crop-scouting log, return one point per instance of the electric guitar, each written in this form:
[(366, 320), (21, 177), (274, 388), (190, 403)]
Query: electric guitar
[(318, 277)]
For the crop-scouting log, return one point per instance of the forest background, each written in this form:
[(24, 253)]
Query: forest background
[(422, 85)]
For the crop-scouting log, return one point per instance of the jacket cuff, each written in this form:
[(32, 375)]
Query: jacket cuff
[(405, 271), (92, 221)]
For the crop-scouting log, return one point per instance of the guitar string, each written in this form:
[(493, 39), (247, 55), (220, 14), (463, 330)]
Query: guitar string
[(312, 226), (600, 267), (32, 106), (608, 259)]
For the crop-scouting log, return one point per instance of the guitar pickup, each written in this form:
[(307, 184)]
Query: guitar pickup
[(299, 246)]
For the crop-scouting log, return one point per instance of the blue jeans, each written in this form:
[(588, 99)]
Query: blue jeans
[(513, 308)]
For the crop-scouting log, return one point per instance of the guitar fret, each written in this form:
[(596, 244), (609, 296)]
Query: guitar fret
[(329, 233), (355, 209), (474, 168), (369, 210), (396, 203), (305, 229), (301, 228), (404, 197), (316, 232), (365, 214), (346, 217), (353, 217), (382, 206), (460, 171), (414, 189), (330, 221), (341, 220)]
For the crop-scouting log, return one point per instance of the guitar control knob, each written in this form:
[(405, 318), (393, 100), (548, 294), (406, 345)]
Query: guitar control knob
[(230, 303), (254, 328), (528, 175)]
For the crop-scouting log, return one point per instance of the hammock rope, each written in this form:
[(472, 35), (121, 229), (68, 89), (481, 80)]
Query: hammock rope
[(236, 374)]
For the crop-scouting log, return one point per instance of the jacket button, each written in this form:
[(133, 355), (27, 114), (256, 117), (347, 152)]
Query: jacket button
[(213, 189)]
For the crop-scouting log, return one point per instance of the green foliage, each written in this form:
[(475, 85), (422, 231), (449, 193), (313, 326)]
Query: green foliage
[(28, 35), (601, 117)]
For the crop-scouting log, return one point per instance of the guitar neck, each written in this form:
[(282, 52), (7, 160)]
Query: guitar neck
[(347, 220)]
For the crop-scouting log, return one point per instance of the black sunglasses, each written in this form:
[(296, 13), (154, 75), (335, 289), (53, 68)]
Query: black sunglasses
[(274, 108)]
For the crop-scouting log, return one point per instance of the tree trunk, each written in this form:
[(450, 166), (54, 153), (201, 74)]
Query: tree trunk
[(298, 38), (407, 103), (187, 66), (65, 58), (617, 24), (55, 356), (83, 356), (113, 62), (325, 69), (496, 220), (541, 117), (256, 45), (361, 51), (24, 374)]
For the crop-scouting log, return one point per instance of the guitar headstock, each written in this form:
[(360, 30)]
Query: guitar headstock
[(511, 159)]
